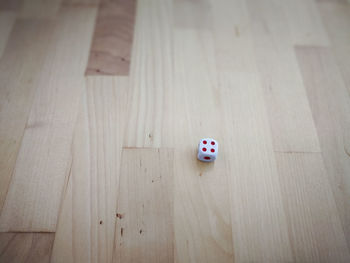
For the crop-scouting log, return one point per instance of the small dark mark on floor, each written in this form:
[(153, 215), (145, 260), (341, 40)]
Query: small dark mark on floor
[(152, 181), (200, 174), (121, 231), (140, 231), (101, 222), (120, 216)]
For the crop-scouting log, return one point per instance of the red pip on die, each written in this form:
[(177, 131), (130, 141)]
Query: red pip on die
[(207, 150)]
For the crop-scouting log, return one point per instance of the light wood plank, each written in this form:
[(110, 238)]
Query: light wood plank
[(232, 36), (145, 230), (110, 52), (258, 221), (305, 22), (192, 14), (336, 18), (43, 161), (313, 222), (151, 77), (330, 104), (259, 225), (88, 216), (7, 21), (202, 203), (26, 247), (284, 92), (332, 1), (39, 9), (63, 250), (20, 69)]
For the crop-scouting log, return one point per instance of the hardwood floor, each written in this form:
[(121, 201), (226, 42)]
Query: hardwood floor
[(103, 103)]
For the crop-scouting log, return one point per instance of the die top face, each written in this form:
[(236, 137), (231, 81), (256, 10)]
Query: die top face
[(207, 150), (208, 145)]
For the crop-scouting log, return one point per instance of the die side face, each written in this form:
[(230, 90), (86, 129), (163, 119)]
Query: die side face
[(207, 150)]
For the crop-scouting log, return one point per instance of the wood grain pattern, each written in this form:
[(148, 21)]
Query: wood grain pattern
[(39, 9), (247, 142), (305, 23), (50, 126), (7, 21), (314, 227), (81, 2), (332, 1), (88, 216), (336, 18), (149, 116), (259, 226), (232, 36), (330, 104), (20, 69), (202, 201), (99, 126), (282, 83), (10, 5), (110, 52), (26, 247), (192, 14), (145, 229)]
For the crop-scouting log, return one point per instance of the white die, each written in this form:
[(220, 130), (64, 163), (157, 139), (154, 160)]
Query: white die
[(207, 150)]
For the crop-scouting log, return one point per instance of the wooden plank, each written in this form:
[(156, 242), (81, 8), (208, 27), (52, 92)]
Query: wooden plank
[(110, 52), (332, 1), (81, 2), (144, 229), (336, 18), (214, 200), (192, 14), (43, 161), (7, 21), (284, 92), (259, 225), (20, 68), (39, 8), (88, 215), (305, 23), (63, 250), (26, 247), (232, 36), (202, 216), (151, 77), (10, 5), (314, 226), (330, 104)]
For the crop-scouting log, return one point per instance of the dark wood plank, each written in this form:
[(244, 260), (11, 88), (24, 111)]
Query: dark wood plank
[(10, 4), (110, 52), (26, 247)]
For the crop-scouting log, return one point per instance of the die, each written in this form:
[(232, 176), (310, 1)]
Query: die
[(207, 150)]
